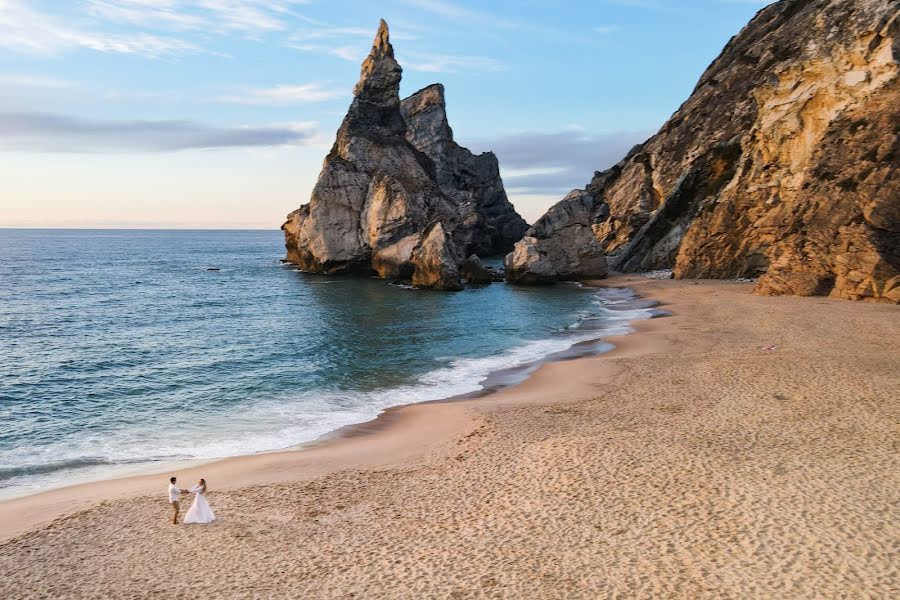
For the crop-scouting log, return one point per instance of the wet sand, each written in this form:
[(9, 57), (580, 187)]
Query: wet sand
[(743, 447)]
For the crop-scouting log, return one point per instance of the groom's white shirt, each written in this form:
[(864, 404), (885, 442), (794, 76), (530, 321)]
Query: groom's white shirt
[(174, 492)]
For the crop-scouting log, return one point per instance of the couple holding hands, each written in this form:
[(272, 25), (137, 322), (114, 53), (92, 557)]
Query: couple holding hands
[(199, 512)]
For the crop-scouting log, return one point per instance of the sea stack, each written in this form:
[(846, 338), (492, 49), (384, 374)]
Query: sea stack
[(782, 166), (399, 200), (490, 224)]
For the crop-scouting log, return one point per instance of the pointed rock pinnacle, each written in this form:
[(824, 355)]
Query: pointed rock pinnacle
[(379, 79)]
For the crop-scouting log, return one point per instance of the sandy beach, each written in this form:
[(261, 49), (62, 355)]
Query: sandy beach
[(743, 447)]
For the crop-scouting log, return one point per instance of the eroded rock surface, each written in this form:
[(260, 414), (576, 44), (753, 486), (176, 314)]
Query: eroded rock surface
[(383, 206), (436, 260), (561, 245), (490, 223), (782, 165)]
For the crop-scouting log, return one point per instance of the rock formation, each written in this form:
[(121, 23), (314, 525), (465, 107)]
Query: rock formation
[(490, 223), (782, 165), (397, 200), (435, 260), (560, 245), (475, 271)]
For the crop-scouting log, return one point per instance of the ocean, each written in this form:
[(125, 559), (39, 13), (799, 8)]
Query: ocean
[(122, 349)]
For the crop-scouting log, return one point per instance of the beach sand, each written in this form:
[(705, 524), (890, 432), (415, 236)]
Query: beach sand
[(693, 461)]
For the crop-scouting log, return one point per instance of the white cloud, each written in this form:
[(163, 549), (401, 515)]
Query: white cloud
[(247, 16), (8, 82), (490, 24), (605, 29), (334, 32), (347, 43), (351, 53), (146, 13), (25, 29), (450, 63), (28, 31), (281, 95), (446, 9), (532, 172)]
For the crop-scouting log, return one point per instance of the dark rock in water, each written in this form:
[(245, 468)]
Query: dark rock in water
[(382, 206), (490, 224), (475, 271), (781, 166)]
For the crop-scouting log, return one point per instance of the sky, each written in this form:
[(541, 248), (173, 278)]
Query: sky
[(218, 113)]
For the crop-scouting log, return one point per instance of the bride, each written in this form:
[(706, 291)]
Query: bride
[(199, 512)]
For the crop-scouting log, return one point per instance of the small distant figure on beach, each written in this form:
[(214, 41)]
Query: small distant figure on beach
[(199, 512), (174, 494)]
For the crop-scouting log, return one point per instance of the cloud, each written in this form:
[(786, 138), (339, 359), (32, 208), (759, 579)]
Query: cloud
[(449, 63), (554, 163), (281, 95), (49, 132), (33, 82), (347, 43), (605, 29), (163, 14), (635, 3), (248, 16), (28, 31), (367, 33), (351, 53)]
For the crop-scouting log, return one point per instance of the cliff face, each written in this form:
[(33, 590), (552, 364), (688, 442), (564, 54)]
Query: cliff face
[(490, 223), (781, 165), (381, 205)]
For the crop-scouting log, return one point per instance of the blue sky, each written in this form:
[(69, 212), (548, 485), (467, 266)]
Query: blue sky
[(218, 113)]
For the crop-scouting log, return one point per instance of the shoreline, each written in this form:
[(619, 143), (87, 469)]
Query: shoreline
[(491, 382), (43, 507), (745, 446)]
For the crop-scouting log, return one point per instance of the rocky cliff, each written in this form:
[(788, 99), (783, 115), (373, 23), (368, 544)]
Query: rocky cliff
[(490, 223), (400, 199), (782, 165)]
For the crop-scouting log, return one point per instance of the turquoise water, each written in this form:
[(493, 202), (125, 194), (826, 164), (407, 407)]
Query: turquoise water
[(120, 349)]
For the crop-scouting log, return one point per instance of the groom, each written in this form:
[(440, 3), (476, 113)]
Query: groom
[(174, 493)]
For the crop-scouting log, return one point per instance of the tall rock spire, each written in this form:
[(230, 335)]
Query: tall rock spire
[(379, 78), (378, 207)]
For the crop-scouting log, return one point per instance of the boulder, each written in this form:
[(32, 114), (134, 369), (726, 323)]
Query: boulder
[(475, 271), (561, 245), (435, 260)]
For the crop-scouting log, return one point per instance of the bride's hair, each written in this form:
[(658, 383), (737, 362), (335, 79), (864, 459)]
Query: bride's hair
[(203, 483)]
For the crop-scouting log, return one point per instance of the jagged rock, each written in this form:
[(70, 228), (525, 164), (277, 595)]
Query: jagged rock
[(561, 245), (436, 261), (475, 271), (377, 193), (491, 224), (782, 165)]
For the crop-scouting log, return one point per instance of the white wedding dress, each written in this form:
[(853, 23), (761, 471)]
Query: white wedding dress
[(199, 512)]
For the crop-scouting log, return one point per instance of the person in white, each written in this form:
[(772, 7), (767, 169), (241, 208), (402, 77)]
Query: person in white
[(199, 512), (174, 493)]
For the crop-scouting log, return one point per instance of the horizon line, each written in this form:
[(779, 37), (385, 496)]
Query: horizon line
[(132, 228)]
